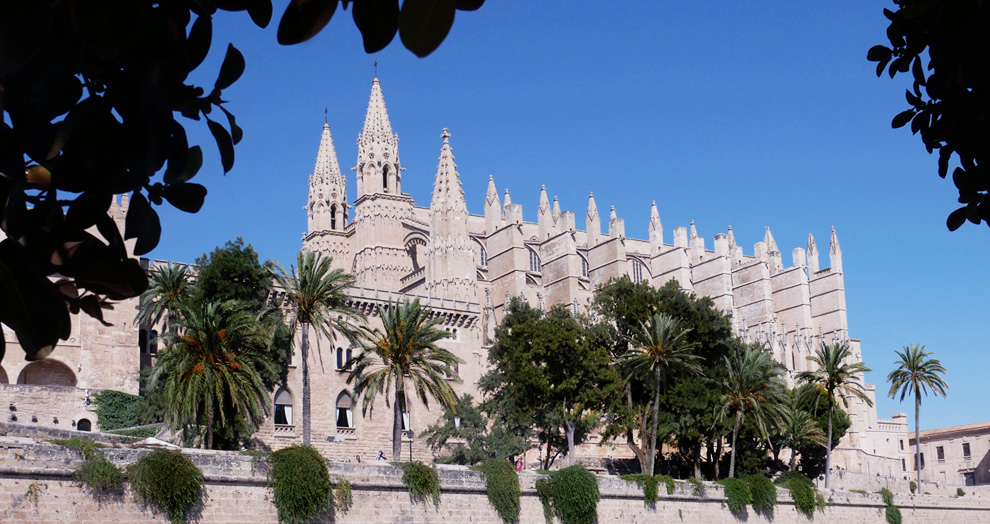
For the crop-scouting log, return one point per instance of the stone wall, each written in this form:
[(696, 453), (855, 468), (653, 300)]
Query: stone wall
[(35, 487), (55, 407)]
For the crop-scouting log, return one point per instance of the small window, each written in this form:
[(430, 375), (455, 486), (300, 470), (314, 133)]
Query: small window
[(902, 445), (966, 450), (534, 262), (84, 425), (457, 422), (484, 257), (903, 465), (345, 414), (940, 453), (584, 267), (340, 358), (333, 217), (283, 407), (405, 421)]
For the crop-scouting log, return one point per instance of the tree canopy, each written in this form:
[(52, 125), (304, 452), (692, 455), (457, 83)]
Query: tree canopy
[(233, 272)]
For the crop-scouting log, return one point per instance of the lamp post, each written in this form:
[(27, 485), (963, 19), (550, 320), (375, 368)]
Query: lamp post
[(410, 434)]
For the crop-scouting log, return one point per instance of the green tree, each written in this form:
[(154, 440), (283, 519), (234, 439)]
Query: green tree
[(660, 346), (210, 365), (404, 349), (169, 288), (915, 374), (798, 429), (753, 385), (466, 424), (233, 272), (833, 379), (316, 295), (949, 93)]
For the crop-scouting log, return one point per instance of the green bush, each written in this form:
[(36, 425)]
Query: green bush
[(887, 496), (737, 493), (697, 487), (802, 491), (86, 448), (648, 483), (914, 486), (960, 492), (764, 492), (168, 480), (301, 484), (115, 409), (571, 494), (669, 482), (137, 432), (502, 484), (893, 515), (100, 476), (343, 495), (421, 480)]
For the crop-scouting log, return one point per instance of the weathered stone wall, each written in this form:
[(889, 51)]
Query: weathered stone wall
[(35, 487), (56, 407)]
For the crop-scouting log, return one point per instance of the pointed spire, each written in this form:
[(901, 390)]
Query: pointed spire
[(556, 208), (732, 238), (616, 225), (507, 200), (377, 126), (449, 253), (835, 252), (655, 230), (812, 254), (327, 205), (447, 192), (612, 216), (493, 208), (592, 222), (491, 196), (544, 218), (693, 231), (773, 253), (327, 166), (770, 242), (378, 167)]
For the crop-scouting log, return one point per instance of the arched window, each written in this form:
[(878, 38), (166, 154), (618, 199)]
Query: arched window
[(484, 257), (534, 262), (385, 178), (637, 272), (340, 358), (333, 217), (47, 372), (345, 414), (584, 267), (84, 425), (283, 407)]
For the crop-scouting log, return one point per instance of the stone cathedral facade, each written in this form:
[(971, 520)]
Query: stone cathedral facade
[(466, 267)]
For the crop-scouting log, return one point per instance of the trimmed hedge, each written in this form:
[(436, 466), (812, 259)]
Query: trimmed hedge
[(301, 484), (168, 480), (115, 409), (571, 494), (502, 484)]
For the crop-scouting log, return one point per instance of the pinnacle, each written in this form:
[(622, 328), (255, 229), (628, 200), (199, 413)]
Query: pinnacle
[(327, 168), (447, 186), (377, 127)]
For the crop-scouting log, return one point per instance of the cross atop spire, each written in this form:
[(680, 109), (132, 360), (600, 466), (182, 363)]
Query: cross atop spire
[(376, 68)]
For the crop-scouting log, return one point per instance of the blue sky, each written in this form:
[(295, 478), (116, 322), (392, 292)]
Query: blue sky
[(749, 114)]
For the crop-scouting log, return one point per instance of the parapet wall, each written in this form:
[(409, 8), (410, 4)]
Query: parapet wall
[(36, 487)]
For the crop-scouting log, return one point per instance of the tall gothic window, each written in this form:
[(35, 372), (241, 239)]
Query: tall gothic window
[(484, 257), (534, 262), (343, 355), (283, 407), (584, 267), (345, 415), (385, 178), (333, 217), (637, 272)]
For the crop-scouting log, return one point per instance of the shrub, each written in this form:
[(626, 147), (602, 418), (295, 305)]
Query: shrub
[(100, 476), (137, 432), (802, 491), (343, 495), (86, 448), (737, 493), (544, 490), (648, 483), (960, 492), (697, 487), (887, 496), (168, 480), (914, 486), (764, 492), (502, 484), (115, 409), (421, 480), (301, 484), (893, 515), (573, 495), (669, 482)]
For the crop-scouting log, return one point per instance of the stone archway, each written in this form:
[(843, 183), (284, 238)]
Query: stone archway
[(3, 376), (47, 372)]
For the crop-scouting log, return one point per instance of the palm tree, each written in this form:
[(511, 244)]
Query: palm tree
[(168, 287), (798, 428), (916, 374), (317, 295), (213, 363), (405, 349), (831, 379), (659, 346), (753, 384)]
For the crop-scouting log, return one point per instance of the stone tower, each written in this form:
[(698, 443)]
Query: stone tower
[(380, 258), (326, 209), (450, 266)]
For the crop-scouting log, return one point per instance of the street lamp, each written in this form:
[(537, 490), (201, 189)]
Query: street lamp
[(410, 434)]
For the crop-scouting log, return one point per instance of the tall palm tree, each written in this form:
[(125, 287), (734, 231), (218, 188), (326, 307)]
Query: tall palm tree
[(915, 374), (753, 385), (658, 346), (317, 295), (798, 428), (212, 363), (404, 350), (168, 287), (834, 379)]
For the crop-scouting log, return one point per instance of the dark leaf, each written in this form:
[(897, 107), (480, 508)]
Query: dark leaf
[(911, 99), (186, 197), (137, 216), (30, 304), (902, 118), (303, 19), (261, 13), (878, 53), (956, 219), (178, 154), (107, 27), (424, 24), (881, 66), (469, 5), (87, 209), (224, 144), (917, 122), (194, 161), (198, 44), (944, 155), (92, 306), (378, 21), (919, 75), (23, 32), (232, 68), (236, 133), (150, 236)]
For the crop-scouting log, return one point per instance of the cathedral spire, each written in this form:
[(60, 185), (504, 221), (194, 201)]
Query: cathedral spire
[(773, 252), (835, 252), (378, 165), (327, 206), (447, 192), (493, 208), (450, 262), (656, 230), (812, 254), (593, 222), (732, 238), (544, 218)]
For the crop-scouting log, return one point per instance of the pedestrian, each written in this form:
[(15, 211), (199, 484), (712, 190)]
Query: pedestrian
[(381, 455), (358, 457), (519, 465)]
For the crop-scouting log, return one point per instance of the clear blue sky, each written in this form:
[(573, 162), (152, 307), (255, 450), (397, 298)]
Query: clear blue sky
[(748, 114)]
